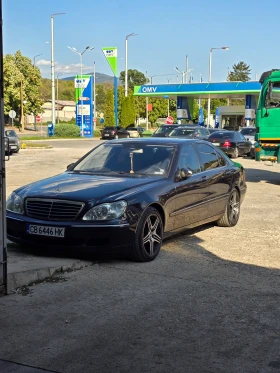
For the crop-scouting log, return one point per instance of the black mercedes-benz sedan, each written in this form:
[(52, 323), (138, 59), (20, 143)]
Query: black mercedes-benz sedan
[(125, 194)]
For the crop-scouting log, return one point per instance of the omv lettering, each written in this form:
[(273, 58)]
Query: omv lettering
[(149, 89)]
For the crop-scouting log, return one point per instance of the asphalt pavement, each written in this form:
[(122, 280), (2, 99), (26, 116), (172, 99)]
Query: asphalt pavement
[(209, 303)]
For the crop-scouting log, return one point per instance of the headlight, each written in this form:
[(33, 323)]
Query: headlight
[(106, 211), (15, 204)]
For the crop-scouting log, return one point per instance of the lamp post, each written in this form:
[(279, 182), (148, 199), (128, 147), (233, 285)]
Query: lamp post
[(187, 68), (52, 65), (34, 58), (94, 98), (151, 78), (58, 75), (209, 80), (126, 63), (81, 84), (184, 73)]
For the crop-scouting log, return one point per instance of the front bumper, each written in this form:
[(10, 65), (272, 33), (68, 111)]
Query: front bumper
[(78, 234)]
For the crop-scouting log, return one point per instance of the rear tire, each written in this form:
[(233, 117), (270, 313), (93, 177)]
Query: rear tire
[(148, 236), (232, 212)]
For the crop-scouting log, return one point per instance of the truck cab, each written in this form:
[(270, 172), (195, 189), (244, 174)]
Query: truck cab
[(267, 146)]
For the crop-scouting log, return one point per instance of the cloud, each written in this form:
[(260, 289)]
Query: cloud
[(43, 63), (74, 68)]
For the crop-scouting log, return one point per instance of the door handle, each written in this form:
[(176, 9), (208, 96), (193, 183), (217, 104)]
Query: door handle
[(204, 178), (229, 172)]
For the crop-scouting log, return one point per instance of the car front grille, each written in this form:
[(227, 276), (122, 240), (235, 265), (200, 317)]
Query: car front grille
[(53, 209)]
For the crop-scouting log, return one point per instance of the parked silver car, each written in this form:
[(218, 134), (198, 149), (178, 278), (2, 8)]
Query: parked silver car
[(249, 134)]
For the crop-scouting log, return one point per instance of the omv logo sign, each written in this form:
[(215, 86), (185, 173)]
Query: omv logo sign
[(148, 89)]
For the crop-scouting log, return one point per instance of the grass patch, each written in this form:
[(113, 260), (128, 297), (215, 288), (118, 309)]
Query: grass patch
[(35, 146)]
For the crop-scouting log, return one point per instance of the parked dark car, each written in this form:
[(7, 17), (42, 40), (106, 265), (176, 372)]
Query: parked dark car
[(232, 143), (249, 134), (127, 194), (211, 130), (7, 146), (135, 131), (114, 133), (164, 130), (13, 141), (190, 132)]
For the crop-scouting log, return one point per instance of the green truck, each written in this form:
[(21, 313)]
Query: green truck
[(267, 145)]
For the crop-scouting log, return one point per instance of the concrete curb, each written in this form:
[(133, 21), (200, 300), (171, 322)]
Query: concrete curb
[(77, 139), (19, 279)]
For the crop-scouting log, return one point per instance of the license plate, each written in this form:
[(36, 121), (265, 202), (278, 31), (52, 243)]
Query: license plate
[(106, 134), (41, 230), (216, 143)]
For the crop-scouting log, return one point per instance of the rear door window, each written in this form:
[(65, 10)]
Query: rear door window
[(207, 156), (188, 159)]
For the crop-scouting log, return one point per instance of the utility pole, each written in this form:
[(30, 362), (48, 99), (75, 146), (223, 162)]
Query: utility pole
[(147, 104), (21, 106), (187, 68), (3, 240)]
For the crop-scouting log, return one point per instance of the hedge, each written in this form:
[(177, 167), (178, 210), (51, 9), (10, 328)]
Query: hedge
[(67, 130)]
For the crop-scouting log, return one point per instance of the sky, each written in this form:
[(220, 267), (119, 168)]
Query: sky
[(166, 31)]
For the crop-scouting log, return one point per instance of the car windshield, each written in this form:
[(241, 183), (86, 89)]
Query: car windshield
[(221, 135), (248, 131), (164, 129), (186, 132), (131, 129), (129, 158), (11, 133)]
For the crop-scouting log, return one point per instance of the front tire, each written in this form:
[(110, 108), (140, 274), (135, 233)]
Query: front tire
[(148, 237), (232, 212)]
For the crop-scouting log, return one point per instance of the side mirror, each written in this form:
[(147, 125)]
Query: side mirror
[(71, 166), (183, 174)]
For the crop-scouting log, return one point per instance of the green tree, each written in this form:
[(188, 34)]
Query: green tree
[(17, 69), (109, 114), (240, 72), (128, 113), (134, 77)]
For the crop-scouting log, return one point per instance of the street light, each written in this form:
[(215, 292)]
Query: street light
[(81, 84), (34, 58), (210, 78), (52, 65), (184, 73), (126, 63), (58, 75), (151, 78)]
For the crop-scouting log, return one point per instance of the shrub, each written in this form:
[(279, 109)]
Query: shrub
[(97, 133), (67, 130)]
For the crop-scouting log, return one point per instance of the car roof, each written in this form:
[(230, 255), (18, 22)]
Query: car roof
[(190, 126), (157, 141)]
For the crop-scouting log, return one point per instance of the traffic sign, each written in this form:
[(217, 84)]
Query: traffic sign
[(101, 120), (38, 118), (94, 119), (12, 114), (169, 120)]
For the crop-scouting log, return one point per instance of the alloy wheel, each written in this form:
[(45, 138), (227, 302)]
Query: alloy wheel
[(234, 207), (152, 235)]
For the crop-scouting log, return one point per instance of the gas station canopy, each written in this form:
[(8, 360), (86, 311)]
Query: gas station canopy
[(200, 90)]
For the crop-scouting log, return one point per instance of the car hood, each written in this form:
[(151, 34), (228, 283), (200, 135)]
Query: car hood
[(87, 187)]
